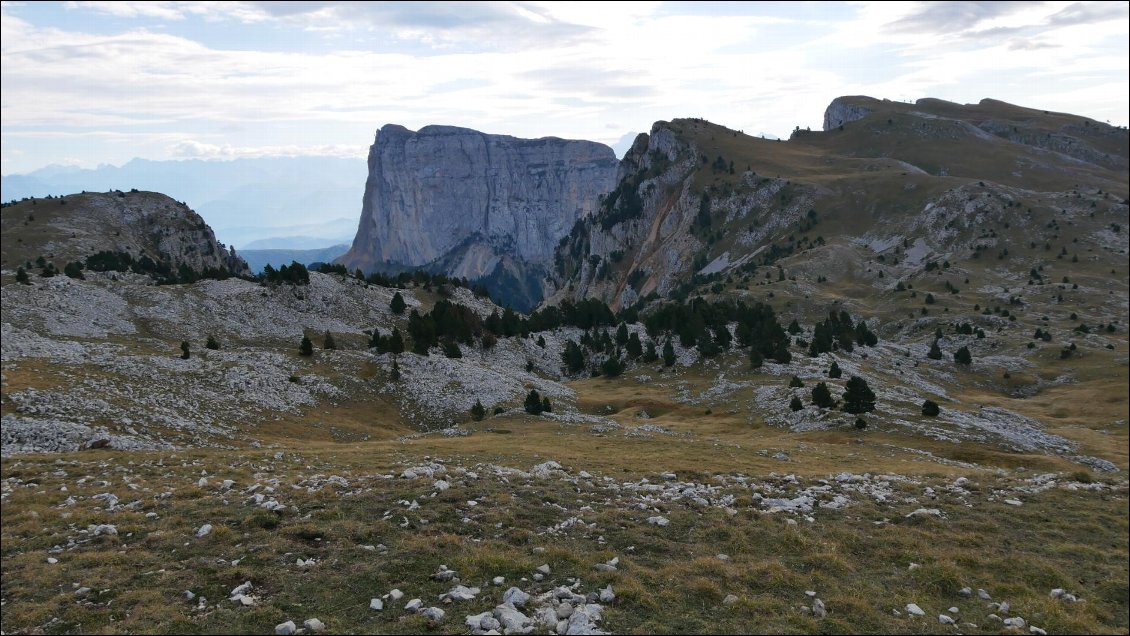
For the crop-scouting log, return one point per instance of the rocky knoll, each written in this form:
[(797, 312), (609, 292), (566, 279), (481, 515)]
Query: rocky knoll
[(77, 226), (462, 202)]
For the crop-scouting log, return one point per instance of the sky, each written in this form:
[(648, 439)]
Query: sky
[(89, 83)]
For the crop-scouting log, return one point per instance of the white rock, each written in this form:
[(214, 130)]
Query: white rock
[(730, 599), (1032, 629), (414, 605), (818, 609), (204, 531), (515, 597), (544, 569), (498, 580), (52, 560), (376, 604), (433, 614), (965, 591), (1014, 502), (396, 595), (659, 521), (983, 595), (953, 610), (927, 512), (513, 621), (607, 595), (1015, 621), (188, 595), (314, 625), (945, 620), (1057, 592), (912, 608), (285, 629), (460, 593)]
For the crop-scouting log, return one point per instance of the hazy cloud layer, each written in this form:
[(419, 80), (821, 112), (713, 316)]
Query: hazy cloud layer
[(106, 81)]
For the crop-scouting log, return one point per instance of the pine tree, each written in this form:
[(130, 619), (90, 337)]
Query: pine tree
[(212, 343), (834, 371), (622, 334), (650, 355), (533, 403), (328, 342), (573, 357), (755, 358), (668, 354), (860, 423), (541, 341), (397, 305), (73, 270), (930, 408), (306, 348), (546, 407), (394, 372), (935, 351), (451, 349), (822, 397), (796, 404), (796, 383), (395, 342), (962, 356), (22, 277), (612, 367), (184, 354), (781, 353), (858, 397), (478, 412), (634, 347)]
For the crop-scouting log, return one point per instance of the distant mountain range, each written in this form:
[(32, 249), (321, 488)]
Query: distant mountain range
[(313, 202), (257, 259)]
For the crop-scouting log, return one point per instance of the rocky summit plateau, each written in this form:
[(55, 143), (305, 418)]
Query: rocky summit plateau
[(872, 378)]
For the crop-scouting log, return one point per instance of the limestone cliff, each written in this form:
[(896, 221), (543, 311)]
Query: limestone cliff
[(463, 202)]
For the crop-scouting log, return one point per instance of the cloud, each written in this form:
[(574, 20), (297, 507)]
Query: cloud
[(190, 149), (1089, 13), (952, 17)]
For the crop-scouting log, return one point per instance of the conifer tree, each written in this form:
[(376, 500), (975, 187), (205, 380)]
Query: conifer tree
[(668, 354), (935, 352), (834, 371), (397, 305), (822, 397), (394, 371), (395, 342), (546, 407), (22, 277), (328, 342), (306, 347), (184, 354), (478, 412), (930, 408), (533, 403), (796, 404), (796, 383), (212, 343), (858, 397), (755, 358), (962, 356), (634, 347), (650, 355)]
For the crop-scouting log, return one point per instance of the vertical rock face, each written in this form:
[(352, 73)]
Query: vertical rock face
[(844, 110), (462, 202)]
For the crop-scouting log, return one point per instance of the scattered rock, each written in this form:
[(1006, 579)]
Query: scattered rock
[(285, 629), (414, 605), (376, 604), (460, 593), (965, 592), (925, 512), (945, 620), (730, 599), (659, 521), (1032, 629), (498, 580), (983, 595), (818, 609), (544, 569), (204, 531), (515, 597), (1015, 621), (912, 608), (314, 625), (433, 614), (607, 595)]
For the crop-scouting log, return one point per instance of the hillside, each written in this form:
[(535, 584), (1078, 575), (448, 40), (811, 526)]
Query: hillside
[(741, 440)]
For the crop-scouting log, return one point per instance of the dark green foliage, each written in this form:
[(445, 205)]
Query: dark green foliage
[(707, 346), (796, 383), (397, 305), (533, 403), (451, 349), (293, 274), (212, 343), (22, 277), (546, 407), (541, 341), (478, 412), (306, 348), (822, 397), (394, 371), (622, 334), (702, 219), (930, 408), (331, 268), (668, 354), (650, 355), (860, 423), (184, 352), (634, 348), (755, 358), (834, 371), (622, 204), (839, 332), (930, 299), (73, 270), (612, 367), (935, 352), (573, 357), (782, 354), (796, 404), (49, 271), (962, 356), (858, 397), (794, 327), (328, 342)]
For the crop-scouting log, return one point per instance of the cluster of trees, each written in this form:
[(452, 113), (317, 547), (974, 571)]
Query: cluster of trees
[(839, 332), (858, 398), (293, 274)]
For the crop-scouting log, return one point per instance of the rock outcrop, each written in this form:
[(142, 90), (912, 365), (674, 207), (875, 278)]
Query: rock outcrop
[(77, 226), (842, 110), (463, 202)]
